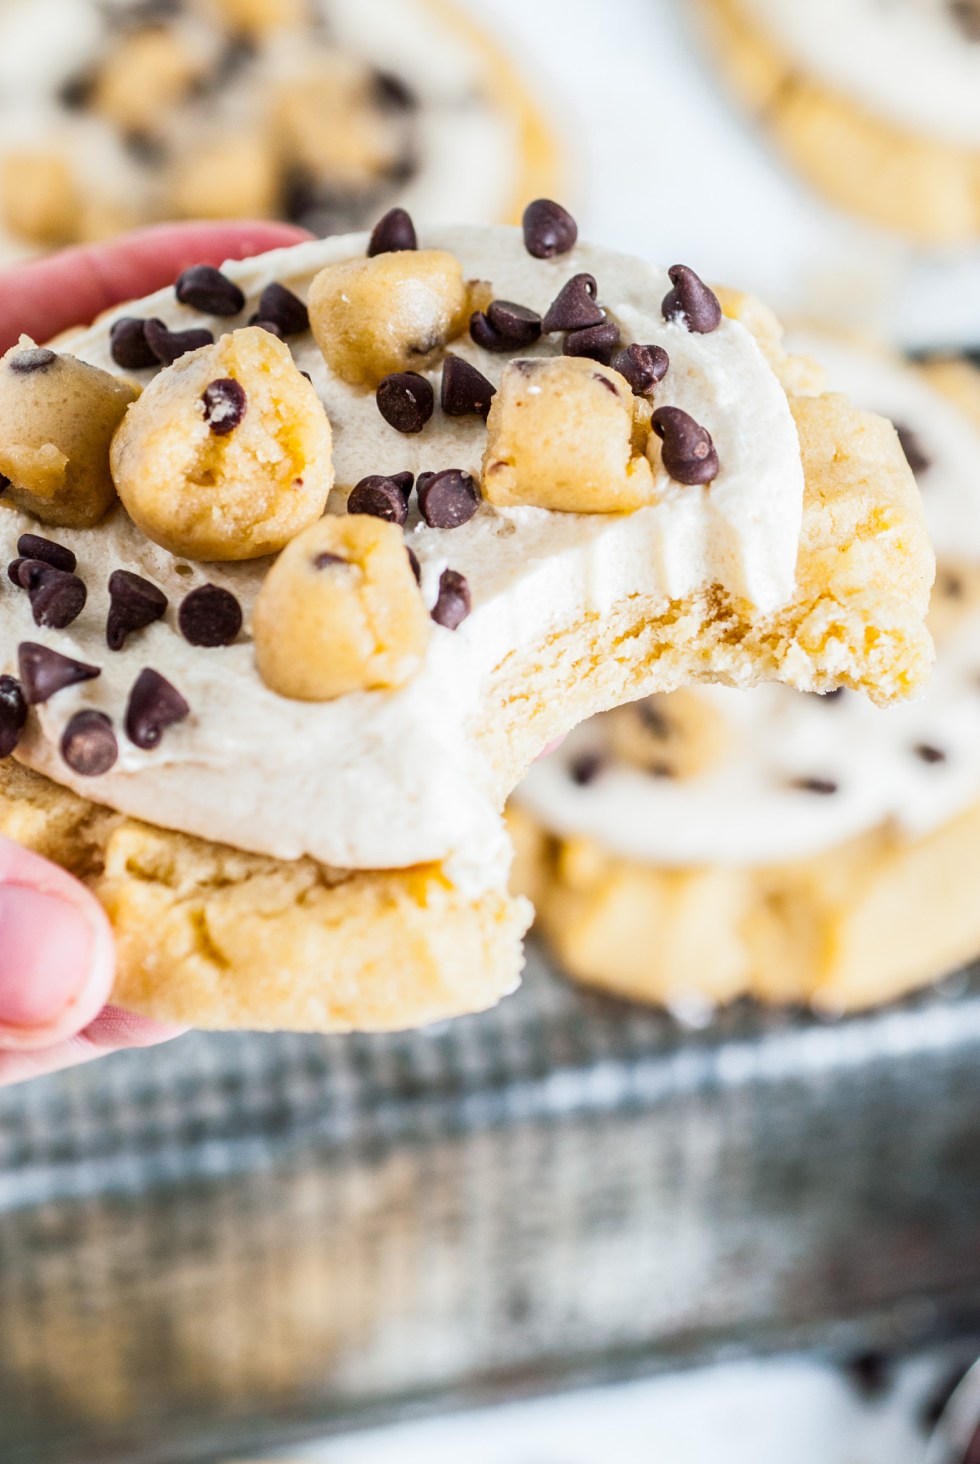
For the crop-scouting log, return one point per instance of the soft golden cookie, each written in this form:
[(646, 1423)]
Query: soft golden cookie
[(925, 186), (877, 813), (283, 778)]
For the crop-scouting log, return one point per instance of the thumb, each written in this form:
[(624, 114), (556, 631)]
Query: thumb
[(56, 952)]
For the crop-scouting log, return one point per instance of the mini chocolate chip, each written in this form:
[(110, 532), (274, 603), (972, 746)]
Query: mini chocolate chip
[(823, 786), (574, 307), (595, 342), (454, 602), (13, 572), (154, 705), (484, 335), (134, 603), (326, 560), (405, 400), (392, 92), (691, 301), (88, 744), (654, 720), (929, 754), (44, 672), (915, 454), (149, 151), (549, 229), (210, 616), (32, 358), (13, 714), (413, 560), (205, 288), (688, 453), (465, 390), (966, 13), (584, 769), (129, 346), (29, 572), (380, 497), (33, 546), (57, 598), (447, 499), (4, 484), (643, 366), (835, 694), (225, 405), (870, 1373), (77, 91), (516, 324), (269, 325), (392, 233), (169, 345), (284, 309)]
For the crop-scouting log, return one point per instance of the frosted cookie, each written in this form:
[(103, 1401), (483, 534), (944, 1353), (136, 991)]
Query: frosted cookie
[(876, 102), (115, 113), (555, 479), (697, 847)]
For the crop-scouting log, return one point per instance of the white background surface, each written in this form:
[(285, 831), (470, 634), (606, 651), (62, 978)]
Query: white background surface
[(667, 169)]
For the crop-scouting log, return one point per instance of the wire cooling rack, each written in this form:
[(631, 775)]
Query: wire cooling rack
[(237, 1240)]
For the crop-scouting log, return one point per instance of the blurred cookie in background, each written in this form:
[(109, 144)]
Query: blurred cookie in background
[(115, 113), (875, 102), (715, 843)]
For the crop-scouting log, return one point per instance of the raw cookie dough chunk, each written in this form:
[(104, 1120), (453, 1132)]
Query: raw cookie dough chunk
[(227, 454), (57, 419), (340, 611), (709, 844), (302, 826)]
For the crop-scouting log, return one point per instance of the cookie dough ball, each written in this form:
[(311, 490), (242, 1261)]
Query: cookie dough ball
[(145, 77), (560, 436), (227, 454), (681, 735), (390, 313), (340, 611), (226, 178), (329, 125), (39, 197), (257, 17), (57, 419)]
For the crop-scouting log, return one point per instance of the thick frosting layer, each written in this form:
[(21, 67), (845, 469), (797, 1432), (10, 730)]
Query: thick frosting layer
[(751, 807), (384, 779), (912, 62), (461, 145)]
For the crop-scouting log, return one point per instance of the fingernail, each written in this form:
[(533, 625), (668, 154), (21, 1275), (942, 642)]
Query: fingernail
[(46, 948)]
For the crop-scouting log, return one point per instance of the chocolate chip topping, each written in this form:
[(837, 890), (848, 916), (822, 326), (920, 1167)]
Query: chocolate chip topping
[(584, 769), (326, 560), (466, 391), (595, 342), (393, 92), (280, 307), (381, 497), (33, 546), (267, 325), (44, 672), (205, 288), (405, 400), (506, 326), (134, 603), (392, 233), (574, 307), (57, 598), (447, 499), (825, 787), (210, 616), (169, 345), (13, 572), (691, 301), (549, 229), (13, 714), (929, 754), (88, 744), (688, 453), (225, 405), (154, 705), (32, 358), (129, 346), (413, 560), (915, 454), (454, 602), (966, 14), (643, 366)]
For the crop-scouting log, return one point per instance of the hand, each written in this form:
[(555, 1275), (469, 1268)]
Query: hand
[(56, 951)]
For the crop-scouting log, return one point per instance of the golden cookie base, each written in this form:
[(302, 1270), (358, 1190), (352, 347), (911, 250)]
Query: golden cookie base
[(923, 188)]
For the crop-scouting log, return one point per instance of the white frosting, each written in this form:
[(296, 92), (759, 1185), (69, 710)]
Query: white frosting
[(908, 61), (466, 146), (391, 778), (745, 811)]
